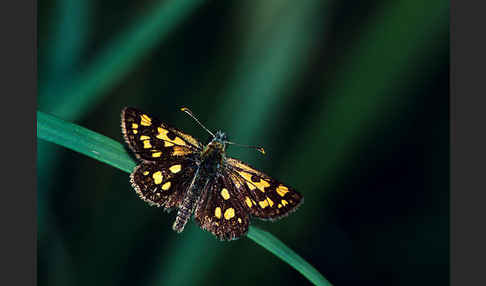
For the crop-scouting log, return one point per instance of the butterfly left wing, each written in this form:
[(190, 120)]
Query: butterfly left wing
[(220, 211), (163, 184), (263, 196), (152, 140)]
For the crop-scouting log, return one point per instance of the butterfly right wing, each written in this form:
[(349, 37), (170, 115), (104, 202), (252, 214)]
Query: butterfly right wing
[(263, 196), (220, 211)]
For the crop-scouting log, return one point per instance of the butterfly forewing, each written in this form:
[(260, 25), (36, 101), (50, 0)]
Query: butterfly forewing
[(263, 196), (153, 140), (220, 211)]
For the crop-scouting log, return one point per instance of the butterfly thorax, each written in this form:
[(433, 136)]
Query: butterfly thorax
[(212, 155)]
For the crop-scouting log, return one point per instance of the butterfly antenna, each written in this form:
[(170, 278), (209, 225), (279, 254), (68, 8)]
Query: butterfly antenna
[(258, 148), (189, 112)]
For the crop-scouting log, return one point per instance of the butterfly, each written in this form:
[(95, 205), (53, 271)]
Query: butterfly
[(177, 171)]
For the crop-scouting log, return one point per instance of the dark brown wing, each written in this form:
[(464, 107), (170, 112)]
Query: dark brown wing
[(164, 183), (152, 140), (263, 196), (220, 211)]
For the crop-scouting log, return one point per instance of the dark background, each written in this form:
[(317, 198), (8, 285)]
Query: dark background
[(349, 99)]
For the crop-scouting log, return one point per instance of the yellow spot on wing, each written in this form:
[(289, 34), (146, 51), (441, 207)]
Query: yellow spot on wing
[(180, 151), (282, 190), (246, 175), (145, 120), (166, 186), (284, 202), (157, 177), (146, 144), (239, 220), (178, 141), (156, 154), (145, 173), (229, 213), (248, 202), (176, 168), (261, 184), (134, 125), (168, 144), (225, 194), (248, 180), (163, 135), (144, 137), (217, 212), (251, 186), (135, 131), (270, 202), (263, 204)]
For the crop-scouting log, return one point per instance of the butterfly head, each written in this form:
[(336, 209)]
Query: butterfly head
[(218, 143), (220, 136)]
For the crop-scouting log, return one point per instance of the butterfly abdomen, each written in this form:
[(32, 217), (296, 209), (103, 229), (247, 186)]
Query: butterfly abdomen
[(189, 202), (185, 211)]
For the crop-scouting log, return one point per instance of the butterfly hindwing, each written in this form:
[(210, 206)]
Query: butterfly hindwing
[(153, 140), (163, 183), (263, 196), (220, 211)]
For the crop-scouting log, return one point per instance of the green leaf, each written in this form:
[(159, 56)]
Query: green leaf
[(111, 152)]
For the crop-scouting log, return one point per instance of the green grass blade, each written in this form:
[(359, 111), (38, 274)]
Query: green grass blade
[(84, 141), (111, 152), (279, 249)]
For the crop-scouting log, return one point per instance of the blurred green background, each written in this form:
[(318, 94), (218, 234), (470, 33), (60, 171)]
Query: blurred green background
[(349, 99)]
